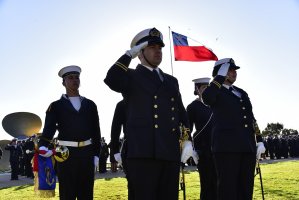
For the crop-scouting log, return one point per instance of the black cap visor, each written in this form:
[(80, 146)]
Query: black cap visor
[(151, 41)]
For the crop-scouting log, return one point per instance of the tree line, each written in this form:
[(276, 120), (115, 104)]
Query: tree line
[(278, 129)]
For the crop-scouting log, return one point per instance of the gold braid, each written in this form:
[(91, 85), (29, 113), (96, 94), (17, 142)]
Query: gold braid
[(184, 135)]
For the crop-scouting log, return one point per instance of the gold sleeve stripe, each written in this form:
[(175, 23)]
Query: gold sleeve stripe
[(122, 66), (217, 84)]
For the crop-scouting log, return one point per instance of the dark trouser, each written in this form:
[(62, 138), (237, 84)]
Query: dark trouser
[(235, 175), (129, 183), (102, 165), (76, 178), (154, 179), (208, 178), (28, 167), (14, 170)]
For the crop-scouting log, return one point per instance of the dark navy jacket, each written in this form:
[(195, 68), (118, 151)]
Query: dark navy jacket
[(154, 111), (118, 123), (73, 125), (233, 128), (200, 115), (15, 152)]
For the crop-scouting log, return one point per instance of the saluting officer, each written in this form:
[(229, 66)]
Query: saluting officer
[(76, 119), (14, 158), (200, 115), (233, 134), (154, 112)]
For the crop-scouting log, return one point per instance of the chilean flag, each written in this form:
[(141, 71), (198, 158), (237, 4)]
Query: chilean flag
[(184, 52)]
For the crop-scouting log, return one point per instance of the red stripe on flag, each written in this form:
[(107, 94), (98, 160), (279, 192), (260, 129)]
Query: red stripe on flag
[(193, 53)]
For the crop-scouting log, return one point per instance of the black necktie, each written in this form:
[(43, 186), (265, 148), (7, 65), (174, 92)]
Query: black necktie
[(156, 75), (231, 89)]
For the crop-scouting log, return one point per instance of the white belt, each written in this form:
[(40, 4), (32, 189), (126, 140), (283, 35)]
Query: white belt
[(74, 144)]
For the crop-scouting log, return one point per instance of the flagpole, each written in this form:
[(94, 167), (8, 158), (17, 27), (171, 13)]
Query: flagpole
[(170, 52)]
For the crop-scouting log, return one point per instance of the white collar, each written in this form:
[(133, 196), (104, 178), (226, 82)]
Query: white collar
[(227, 86), (67, 97), (236, 92), (151, 69)]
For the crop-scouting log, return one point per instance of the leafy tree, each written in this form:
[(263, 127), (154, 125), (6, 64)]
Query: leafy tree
[(272, 129), (289, 132)]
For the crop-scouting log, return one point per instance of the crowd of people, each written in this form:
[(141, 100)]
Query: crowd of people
[(218, 131), (21, 152), (20, 157), (281, 146)]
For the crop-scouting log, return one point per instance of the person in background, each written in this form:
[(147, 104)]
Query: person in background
[(119, 150), (29, 147), (77, 122), (14, 158), (154, 114), (200, 115), (104, 154), (236, 141), (1, 153), (113, 162), (22, 159)]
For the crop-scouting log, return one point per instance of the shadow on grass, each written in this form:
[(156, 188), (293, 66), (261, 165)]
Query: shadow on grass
[(280, 193), (16, 188), (21, 187)]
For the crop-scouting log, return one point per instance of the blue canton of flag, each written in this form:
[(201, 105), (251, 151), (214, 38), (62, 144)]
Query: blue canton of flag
[(179, 40)]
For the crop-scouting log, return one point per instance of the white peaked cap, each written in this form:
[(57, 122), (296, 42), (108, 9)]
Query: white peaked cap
[(72, 69), (151, 35), (202, 80)]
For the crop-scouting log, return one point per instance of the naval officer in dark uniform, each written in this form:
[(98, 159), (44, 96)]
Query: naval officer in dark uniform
[(119, 150), (76, 120), (234, 143), (200, 115), (154, 113), (14, 158)]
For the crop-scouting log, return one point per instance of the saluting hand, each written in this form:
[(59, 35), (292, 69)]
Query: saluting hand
[(133, 53), (223, 69)]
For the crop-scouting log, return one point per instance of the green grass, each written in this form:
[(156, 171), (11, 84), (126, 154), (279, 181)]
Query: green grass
[(280, 180)]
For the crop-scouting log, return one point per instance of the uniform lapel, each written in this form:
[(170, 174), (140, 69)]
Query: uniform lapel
[(146, 79), (167, 84), (227, 91)]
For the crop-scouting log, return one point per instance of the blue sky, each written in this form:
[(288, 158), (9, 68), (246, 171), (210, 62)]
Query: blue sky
[(37, 38)]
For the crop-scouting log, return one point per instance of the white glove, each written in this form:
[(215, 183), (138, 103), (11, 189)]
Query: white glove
[(223, 69), (117, 157), (133, 53), (187, 151), (96, 161), (195, 157), (260, 149), (45, 152), (28, 151)]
